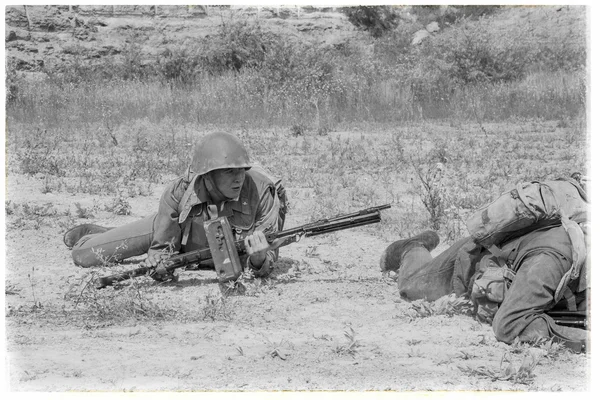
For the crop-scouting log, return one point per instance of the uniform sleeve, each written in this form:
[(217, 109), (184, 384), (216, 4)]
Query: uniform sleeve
[(267, 220), (167, 232), (531, 293)]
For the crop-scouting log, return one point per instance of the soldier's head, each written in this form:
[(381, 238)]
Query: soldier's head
[(222, 159)]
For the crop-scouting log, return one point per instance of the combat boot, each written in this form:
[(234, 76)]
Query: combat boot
[(392, 256), (73, 235)]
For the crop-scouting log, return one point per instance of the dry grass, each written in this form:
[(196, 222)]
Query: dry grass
[(134, 301), (436, 187)]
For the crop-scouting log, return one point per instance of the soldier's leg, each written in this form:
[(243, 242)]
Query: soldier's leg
[(423, 277), (531, 293), (116, 244)]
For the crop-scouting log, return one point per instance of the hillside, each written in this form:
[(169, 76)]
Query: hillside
[(48, 35), (39, 37)]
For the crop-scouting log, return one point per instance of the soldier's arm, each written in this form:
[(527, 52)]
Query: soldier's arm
[(167, 232), (267, 217), (531, 293)]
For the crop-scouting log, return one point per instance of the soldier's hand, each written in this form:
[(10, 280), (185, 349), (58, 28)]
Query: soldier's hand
[(153, 259), (160, 273), (257, 247), (160, 270)]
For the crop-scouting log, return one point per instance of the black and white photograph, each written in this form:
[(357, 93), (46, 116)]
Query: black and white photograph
[(340, 198)]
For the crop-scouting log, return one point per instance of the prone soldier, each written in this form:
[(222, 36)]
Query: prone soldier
[(220, 182), (515, 278)]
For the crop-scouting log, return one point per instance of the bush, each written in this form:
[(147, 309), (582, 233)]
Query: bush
[(238, 44), (12, 81), (377, 20), (475, 69), (179, 65), (471, 53)]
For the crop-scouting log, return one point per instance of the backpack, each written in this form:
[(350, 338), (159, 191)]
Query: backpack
[(527, 207), (280, 192)]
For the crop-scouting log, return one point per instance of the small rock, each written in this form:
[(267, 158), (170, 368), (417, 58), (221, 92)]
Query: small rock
[(433, 27), (419, 36)]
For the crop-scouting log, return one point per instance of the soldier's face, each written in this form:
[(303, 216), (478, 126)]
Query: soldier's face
[(229, 181)]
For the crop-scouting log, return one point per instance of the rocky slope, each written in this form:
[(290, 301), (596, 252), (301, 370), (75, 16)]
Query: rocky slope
[(43, 36), (38, 37)]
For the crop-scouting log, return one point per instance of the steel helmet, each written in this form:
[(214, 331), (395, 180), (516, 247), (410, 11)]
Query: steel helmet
[(219, 150)]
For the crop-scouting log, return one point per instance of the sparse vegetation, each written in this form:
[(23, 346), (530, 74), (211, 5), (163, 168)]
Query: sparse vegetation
[(132, 301), (31, 277), (294, 96), (119, 206), (34, 216), (510, 369), (520, 372), (350, 346), (436, 130), (446, 305), (472, 69), (217, 307)]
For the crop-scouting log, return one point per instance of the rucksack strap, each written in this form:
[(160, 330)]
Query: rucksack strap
[(570, 299)]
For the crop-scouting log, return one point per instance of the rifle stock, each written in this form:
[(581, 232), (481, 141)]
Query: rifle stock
[(344, 221)]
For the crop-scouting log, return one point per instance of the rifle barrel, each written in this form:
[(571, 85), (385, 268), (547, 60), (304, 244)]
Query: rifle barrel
[(575, 323), (577, 319), (358, 216), (369, 210), (342, 226)]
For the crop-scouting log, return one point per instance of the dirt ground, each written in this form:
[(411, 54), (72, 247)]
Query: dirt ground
[(327, 320)]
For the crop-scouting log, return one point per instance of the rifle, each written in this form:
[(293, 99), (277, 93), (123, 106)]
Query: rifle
[(573, 319), (225, 251)]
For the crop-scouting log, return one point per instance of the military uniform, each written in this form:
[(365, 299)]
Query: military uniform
[(184, 206), (541, 260), (178, 224)]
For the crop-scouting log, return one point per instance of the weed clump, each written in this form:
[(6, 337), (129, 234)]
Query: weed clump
[(449, 305), (217, 307), (133, 301), (350, 346)]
